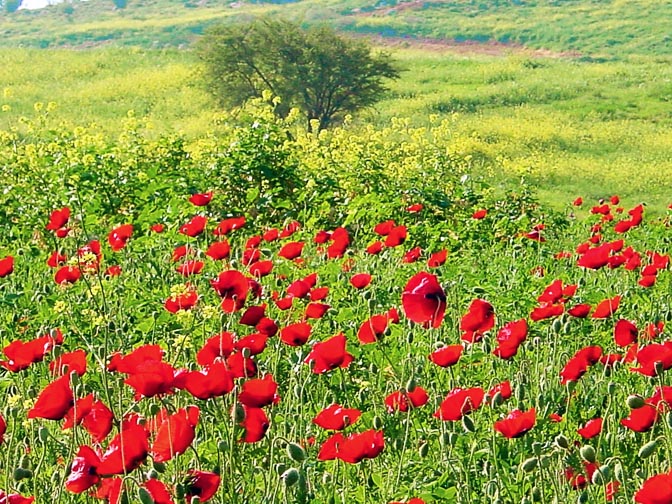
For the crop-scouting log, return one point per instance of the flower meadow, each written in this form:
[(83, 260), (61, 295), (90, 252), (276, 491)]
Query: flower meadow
[(243, 320)]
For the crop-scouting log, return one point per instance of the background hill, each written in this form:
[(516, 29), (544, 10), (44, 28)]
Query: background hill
[(593, 28)]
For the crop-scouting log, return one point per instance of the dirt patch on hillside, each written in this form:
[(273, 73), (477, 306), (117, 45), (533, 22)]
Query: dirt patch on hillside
[(488, 48)]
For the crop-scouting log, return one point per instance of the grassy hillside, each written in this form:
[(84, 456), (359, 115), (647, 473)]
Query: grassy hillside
[(606, 28)]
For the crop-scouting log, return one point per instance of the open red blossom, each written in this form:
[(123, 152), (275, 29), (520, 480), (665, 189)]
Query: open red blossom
[(479, 214), (267, 326), (189, 268), (56, 259), (653, 357), (316, 310), (437, 259), (591, 429), (3, 429), (253, 242), (662, 398), (606, 308), (372, 329), (253, 315), (396, 236), (151, 378), (259, 392), (459, 402), (479, 319), (656, 490), (374, 248), (233, 287), (291, 250), (126, 452), (580, 310), (329, 354), (54, 401), (578, 480), (128, 363), (201, 484), (67, 275), (69, 362), (270, 235), (21, 354), (402, 401), (83, 471), (200, 199), (194, 227), (412, 255), (299, 289), (384, 228), (261, 268), (119, 236), (423, 300), (158, 491), (340, 239), (509, 338), (446, 356), (503, 388), (557, 293), (577, 366), (98, 421), (255, 422), (357, 447), (184, 301), (516, 423), (58, 219), (654, 330), (360, 280), (336, 417), (578, 201), (291, 228), (296, 334), (240, 366), (228, 225), (175, 434), (625, 333), (415, 208), (647, 281), (6, 266), (255, 343), (218, 250), (547, 311), (641, 419), (212, 381)]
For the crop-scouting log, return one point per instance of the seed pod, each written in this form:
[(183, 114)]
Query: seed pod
[(529, 464), (290, 477), (296, 452), (536, 448), (635, 401), (377, 422), (144, 496), (647, 450), (587, 453), (423, 451), (545, 462), (468, 424)]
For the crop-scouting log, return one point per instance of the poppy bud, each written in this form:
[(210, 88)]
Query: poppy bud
[(144, 496), (468, 424), (290, 477), (545, 462), (179, 491), (124, 498), (648, 449), (423, 451), (298, 391), (562, 441), (635, 401), (377, 422), (24, 462), (409, 338), (497, 400), (238, 413), (222, 445), (601, 476), (529, 464), (159, 467), (611, 388), (410, 385), (326, 478), (43, 434), (618, 471), (556, 326), (536, 494), (583, 497), (152, 474), (658, 367), (195, 500), (280, 467), (587, 453), (154, 409), (398, 444), (491, 489), (536, 448), (20, 474), (668, 419), (520, 392), (246, 352), (296, 452)]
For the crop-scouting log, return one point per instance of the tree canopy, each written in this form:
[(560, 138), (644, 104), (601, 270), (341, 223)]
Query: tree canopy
[(323, 74)]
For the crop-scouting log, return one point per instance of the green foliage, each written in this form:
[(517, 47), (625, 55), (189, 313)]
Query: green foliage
[(323, 74)]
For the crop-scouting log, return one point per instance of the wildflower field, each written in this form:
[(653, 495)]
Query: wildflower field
[(272, 315)]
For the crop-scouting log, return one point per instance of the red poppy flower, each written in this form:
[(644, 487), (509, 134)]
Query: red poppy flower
[(267, 326), (503, 388), (255, 422), (647, 281), (654, 356), (340, 239), (607, 307), (547, 311), (291, 250), (641, 419), (578, 201), (372, 329), (213, 381), (240, 366), (591, 429), (446, 356), (228, 225), (415, 208), (119, 236), (479, 214), (56, 259), (128, 363), (412, 255), (459, 402), (654, 330), (126, 452), (296, 334), (374, 248), (396, 236), (479, 319), (200, 199), (233, 287), (157, 228), (625, 333), (316, 310), (21, 355), (175, 434), (577, 366), (158, 491), (509, 338), (557, 293), (6, 266), (270, 235), (194, 227), (258, 393), (329, 449), (384, 228), (516, 423), (3, 429), (218, 250), (54, 401), (423, 300), (596, 258), (201, 484), (291, 228), (189, 268), (357, 447), (184, 301), (336, 417), (67, 275), (656, 490), (58, 219), (360, 280), (580, 310), (69, 362), (437, 259), (402, 401), (329, 355), (151, 378), (83, 473), (261, 268)]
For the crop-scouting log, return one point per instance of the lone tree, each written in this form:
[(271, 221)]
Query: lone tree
[(323, 74)]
